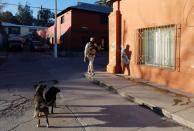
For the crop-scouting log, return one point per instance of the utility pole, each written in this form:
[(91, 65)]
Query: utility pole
[(55, 35)]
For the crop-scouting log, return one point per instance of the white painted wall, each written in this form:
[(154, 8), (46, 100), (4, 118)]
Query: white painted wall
[(24, 31)]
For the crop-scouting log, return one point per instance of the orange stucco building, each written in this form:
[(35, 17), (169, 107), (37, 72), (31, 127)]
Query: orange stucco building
[(160, 34)]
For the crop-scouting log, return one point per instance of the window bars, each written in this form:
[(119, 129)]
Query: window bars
[(157, 46)]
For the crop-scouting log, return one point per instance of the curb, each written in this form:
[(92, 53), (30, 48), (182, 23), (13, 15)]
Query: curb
[(140, 102)]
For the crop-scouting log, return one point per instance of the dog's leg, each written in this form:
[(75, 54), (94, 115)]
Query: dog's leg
[(38, 125), (55, 105), (39, 114), (52, 109), (34, 115), (47, 122)]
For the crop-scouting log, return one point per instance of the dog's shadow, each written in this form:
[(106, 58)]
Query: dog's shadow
[(59, 119), (43, 126), (60, 113), (54, 127)]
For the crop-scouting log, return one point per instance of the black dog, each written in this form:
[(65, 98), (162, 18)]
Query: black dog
[(43, 98), (49, 96)]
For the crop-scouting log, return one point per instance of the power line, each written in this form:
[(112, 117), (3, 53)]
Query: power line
[(28, 5)]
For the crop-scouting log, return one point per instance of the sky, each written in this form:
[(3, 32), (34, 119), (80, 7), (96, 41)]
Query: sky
[(62, 4)]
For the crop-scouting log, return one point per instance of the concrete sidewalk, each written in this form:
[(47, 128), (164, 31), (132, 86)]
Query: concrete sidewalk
[(169, 102)]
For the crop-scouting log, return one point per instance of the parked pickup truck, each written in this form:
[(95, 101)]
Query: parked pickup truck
[(16, 44)]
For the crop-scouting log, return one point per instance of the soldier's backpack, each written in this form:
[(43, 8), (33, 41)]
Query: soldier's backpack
[(91, 49)]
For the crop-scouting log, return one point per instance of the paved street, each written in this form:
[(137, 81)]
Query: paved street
[(81, 105)]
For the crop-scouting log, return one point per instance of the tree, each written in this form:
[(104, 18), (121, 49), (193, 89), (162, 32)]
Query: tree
[(24, 15), (101, 2), (7, 17), (44, 16), (1, 5)]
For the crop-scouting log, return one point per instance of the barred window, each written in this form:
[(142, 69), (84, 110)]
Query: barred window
[(157, 46)]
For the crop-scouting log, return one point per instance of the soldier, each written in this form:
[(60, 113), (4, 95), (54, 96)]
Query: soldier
[(125, 59), (89, 54)]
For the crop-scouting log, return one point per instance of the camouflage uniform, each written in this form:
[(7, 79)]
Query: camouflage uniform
[(90, 53)]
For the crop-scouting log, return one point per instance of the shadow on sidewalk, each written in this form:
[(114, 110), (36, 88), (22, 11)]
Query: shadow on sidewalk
[(112, 116)]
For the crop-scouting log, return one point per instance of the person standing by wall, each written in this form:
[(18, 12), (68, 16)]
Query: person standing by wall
[(125, 59), (89, 55)]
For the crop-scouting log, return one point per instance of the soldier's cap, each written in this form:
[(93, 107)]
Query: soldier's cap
[(92, 38)]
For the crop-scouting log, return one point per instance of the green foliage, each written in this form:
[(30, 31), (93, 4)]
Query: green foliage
[(1, 6), (24, 15), (7, 17), (103, 2), (44, 15)]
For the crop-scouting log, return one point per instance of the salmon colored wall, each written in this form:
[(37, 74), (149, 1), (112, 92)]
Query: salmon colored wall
[(74, 27), (88, 19), (138, 14), (50, 33), (87, 24), (65, 27), (61, 28), (42, 33), (112, 43)]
